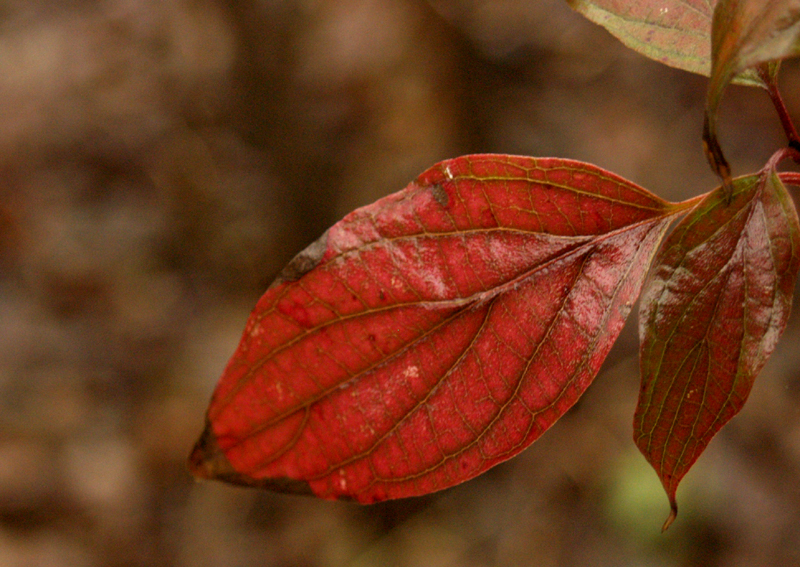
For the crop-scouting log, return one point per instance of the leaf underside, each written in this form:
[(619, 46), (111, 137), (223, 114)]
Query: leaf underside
[(717, 300), (674, 32), (435, 333), (745, 34)]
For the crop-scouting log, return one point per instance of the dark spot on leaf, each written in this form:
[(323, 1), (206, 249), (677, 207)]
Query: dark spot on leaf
[(440, 195), (304, 262), (372, 338)]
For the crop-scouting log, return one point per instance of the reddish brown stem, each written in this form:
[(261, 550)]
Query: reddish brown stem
[(782, 154), (790, 177), (780, 107)]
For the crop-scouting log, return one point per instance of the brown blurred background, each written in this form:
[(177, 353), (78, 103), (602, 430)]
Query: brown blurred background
[(161, 161)]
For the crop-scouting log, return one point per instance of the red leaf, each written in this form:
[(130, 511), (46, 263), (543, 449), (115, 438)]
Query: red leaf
[(434, 333), (713, 308)]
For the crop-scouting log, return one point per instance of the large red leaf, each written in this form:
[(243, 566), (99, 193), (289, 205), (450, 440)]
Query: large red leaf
[(714, 306), (434, 333)]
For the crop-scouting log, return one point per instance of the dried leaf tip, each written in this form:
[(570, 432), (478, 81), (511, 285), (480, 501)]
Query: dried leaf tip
[(206, 458), (716, 159), (673, 513), (304, 261)]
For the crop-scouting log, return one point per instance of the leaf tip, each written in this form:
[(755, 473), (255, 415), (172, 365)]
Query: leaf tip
[(206, 458), (673, 513), (208, 461)]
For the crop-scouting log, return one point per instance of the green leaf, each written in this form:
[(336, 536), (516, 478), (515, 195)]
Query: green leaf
[(674, 32), (713, 308)]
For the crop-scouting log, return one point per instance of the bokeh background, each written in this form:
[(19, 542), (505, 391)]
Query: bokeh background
[(161, 161)]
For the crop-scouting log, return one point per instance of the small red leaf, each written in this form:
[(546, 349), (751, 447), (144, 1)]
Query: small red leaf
[(434, 333), (712, 310)]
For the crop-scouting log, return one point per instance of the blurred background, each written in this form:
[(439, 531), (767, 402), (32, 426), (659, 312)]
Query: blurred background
[(161, 161)]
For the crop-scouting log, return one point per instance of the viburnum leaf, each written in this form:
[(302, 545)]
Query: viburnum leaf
[(674, 32), (435, 333), (716, 301), (745, 34)]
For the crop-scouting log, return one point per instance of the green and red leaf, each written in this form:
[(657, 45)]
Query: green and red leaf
[(717, 299), (674, 32), (745, 34), (435, 333)]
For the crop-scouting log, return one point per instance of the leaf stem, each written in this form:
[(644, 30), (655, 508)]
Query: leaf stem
[(780, 155), (790, 177), (689, 203), (770, 78)]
